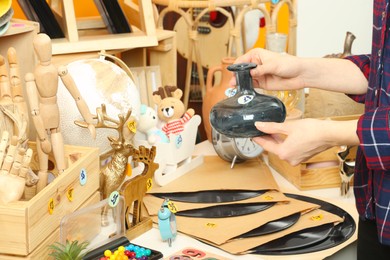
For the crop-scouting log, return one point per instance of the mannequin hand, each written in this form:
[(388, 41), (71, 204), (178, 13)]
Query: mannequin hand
[(11, 187), (295, 141), (14, 168)]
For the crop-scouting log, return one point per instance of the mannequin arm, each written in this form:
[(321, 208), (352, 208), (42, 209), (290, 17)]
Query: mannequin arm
[(32, 94), (80, 102)]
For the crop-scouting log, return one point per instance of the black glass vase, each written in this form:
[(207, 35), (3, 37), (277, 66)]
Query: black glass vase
[(235, 117)]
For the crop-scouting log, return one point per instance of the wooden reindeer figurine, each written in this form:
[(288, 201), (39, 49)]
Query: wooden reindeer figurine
[(113, 173), (134, 191)]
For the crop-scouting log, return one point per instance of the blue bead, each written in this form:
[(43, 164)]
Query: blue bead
[(148, 252)]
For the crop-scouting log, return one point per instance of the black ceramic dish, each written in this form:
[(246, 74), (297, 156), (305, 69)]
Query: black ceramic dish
[(210, 196), (225, 211), (273, 226), (302, 239), (337, 234)]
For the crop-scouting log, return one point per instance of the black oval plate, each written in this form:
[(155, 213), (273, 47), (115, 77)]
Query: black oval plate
[(210, 196), (304, 238), (273, 226), (224, 211), (339, 233)]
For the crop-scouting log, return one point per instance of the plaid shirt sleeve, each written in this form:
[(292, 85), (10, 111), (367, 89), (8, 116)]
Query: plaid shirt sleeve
[(363, 62), (373, 125), (374, 135)]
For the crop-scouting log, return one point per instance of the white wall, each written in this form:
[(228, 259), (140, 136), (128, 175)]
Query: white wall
[(322, 26)]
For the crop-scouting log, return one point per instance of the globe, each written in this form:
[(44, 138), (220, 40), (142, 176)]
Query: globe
[(99, 81)]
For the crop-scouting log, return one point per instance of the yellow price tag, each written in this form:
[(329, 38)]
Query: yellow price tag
[(149, 184), (132, 126), (129, 170), (69, 194), (50, 206), (172, 207), (268, 197), (317, 217), (211, 225)]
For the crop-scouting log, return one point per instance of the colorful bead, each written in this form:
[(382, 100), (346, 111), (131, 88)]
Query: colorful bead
[(107, 253), (129, 252)]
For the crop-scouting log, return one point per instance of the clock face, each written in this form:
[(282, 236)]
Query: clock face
[(247, 147), (234, 149)]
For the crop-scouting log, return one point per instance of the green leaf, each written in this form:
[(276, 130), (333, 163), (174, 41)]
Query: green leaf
[(70, 251)]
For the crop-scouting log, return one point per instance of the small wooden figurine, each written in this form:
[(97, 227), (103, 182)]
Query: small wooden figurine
[(42, 89), (134, 191)]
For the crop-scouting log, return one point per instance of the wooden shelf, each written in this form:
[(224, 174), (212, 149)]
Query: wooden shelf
[(104, 42), (144, 46), (86, 35)]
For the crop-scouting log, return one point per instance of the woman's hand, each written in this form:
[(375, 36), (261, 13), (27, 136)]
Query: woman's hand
[(297, 140), (274, 71), (277, 71)]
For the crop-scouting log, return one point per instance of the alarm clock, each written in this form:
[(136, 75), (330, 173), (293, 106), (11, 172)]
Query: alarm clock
[(234, 150), (167, 222)]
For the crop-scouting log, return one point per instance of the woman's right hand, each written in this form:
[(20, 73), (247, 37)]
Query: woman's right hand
[(274, 71)]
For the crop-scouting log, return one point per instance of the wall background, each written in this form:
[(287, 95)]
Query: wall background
[(322, 25)]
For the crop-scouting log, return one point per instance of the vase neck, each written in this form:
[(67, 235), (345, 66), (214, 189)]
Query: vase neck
[(244, 82)]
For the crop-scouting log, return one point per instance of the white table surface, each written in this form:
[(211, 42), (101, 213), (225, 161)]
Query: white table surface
[(345, 251)]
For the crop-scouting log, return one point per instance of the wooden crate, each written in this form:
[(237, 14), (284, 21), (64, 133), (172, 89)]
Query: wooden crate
[(320, 171), (42, 251), (25, 225)]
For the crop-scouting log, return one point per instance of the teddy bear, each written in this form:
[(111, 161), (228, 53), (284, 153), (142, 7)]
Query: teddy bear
[(147, 124), (171, 109)]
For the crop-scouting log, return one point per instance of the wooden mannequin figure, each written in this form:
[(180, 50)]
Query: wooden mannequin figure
[(41, 88)]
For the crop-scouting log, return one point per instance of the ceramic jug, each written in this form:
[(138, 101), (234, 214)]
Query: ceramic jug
[(217, 92), (235, 116)]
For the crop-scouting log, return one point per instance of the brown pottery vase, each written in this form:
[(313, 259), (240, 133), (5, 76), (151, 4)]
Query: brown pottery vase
[(217, 92)]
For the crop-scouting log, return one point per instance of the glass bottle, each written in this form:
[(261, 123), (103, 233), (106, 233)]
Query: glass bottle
[(294, 100), (235, 117)]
